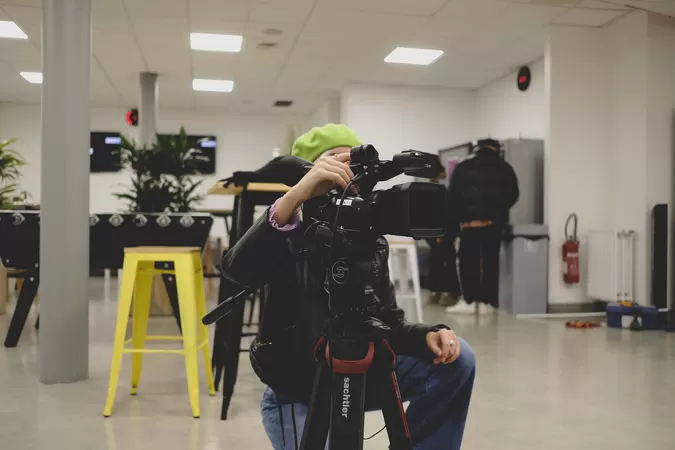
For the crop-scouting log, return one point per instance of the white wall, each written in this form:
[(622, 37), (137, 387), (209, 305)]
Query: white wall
[(660, 121), (610, 102), (244, 143), (328, 112), (576, 151), (503, 111), (397, 118)]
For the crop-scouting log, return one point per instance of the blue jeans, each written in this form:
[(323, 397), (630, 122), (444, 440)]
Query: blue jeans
[(439, 398)]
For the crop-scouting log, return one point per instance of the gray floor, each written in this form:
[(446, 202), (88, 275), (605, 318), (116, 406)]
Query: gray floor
[(539, 386)]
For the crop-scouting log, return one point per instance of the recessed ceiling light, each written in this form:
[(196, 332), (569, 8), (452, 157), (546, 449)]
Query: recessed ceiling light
[(419, 56), (32, 77), (216, 42), (200, 84), (11, 30)]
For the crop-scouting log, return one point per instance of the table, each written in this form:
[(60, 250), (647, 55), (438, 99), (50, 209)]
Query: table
[(109, 234), (227, 339)]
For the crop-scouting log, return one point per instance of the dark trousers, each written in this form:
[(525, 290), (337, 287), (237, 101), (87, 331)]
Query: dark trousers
[(443, 266), (479, 264)]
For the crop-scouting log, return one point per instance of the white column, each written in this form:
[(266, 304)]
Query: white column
[(148, 105), (64, 234)]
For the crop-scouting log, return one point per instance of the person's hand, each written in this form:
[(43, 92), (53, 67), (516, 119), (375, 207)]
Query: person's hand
[(445, 345), (327, 172)]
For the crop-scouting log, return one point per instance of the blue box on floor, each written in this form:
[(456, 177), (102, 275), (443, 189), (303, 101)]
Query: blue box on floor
[(649, 316)]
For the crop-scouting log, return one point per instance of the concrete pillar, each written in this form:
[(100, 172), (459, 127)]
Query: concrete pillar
[(148, 103), (64, 215)]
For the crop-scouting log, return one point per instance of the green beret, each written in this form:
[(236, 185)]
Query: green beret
[(318, 140)]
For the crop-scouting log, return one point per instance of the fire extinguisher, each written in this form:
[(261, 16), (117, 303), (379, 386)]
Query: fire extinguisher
[(570, 253)]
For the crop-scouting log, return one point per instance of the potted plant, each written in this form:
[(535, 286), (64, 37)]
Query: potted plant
[(10, 164), (161, 180)]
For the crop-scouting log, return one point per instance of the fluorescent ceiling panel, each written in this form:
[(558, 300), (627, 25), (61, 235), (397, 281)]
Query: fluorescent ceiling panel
[(200, 84), (417, 56), (216, 42), (11, 30), (32, 77)]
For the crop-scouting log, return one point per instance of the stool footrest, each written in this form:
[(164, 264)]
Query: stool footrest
[(158, 350)]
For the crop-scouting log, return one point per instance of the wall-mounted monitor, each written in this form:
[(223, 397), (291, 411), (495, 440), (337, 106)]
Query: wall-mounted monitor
[(207, 145), (102, 147)]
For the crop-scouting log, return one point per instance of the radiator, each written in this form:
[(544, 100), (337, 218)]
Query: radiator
[(611, 257)]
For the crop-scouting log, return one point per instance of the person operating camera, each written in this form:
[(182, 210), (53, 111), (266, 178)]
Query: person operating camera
[(435, 368)]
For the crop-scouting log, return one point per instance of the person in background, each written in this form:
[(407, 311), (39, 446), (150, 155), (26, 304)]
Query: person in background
[(443, 280), (436, 368), (482, 190)]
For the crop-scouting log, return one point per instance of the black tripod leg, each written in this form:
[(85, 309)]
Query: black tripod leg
[(317, 422), (23, 304), (170, 284)]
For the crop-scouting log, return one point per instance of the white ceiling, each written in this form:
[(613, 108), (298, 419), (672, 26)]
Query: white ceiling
[(325, 44)]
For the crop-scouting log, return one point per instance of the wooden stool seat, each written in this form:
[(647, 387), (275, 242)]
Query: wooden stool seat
[(140, 265)]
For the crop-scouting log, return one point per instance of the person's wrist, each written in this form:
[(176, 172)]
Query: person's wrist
[(287, 207)]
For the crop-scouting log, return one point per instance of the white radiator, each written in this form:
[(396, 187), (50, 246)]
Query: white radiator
[(610, 265)]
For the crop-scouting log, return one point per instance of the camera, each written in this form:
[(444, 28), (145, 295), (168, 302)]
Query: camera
[(415, 209)]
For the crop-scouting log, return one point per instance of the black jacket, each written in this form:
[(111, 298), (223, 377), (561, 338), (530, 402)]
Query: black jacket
[(296, 309), (483, 187)]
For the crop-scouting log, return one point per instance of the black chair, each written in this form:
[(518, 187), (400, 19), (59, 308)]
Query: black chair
[(229, 332), (109, 235)]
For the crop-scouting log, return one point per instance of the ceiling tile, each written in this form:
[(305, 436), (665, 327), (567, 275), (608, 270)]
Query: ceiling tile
[(118, 53), (176, 92), (10, 83), (110, 6), (110, 20), (666, 7), (519, 15), (214, 65), (29, 20), (21, 55), (212, 25), (157, 8), (330, 21), (227, 11), (414, 8), (603, 5), (272, 13), (588, 17), (102, 92), (460, 17), (31, 3)]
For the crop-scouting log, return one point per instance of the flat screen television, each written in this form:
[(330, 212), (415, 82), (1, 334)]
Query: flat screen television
[(102, 158), (207, 145)]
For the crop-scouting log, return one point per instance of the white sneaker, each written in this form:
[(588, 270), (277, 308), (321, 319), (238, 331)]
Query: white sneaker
[(462, 307)]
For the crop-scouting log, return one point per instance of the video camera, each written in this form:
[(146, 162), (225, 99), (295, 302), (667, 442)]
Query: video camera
[(414, 209)]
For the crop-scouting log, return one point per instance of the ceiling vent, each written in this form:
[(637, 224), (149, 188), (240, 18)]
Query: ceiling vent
[(267, 45), (283, 103)]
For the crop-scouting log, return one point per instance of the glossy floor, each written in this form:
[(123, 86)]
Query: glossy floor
[(539, 386)]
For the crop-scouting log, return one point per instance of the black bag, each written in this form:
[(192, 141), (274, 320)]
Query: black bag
[(286, 170)]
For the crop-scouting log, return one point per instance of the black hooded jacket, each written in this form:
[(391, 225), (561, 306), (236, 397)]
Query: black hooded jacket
[(483, 187), (282, 354)]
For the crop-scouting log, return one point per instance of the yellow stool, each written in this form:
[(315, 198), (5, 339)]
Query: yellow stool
[(139, 268)]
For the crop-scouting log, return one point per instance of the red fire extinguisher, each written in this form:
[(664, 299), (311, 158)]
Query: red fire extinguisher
[(570, 253)]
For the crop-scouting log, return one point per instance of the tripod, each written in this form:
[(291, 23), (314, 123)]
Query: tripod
[(352, 349)]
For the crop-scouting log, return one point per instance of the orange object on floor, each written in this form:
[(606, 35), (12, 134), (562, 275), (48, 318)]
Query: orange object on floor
[(582, 324)]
